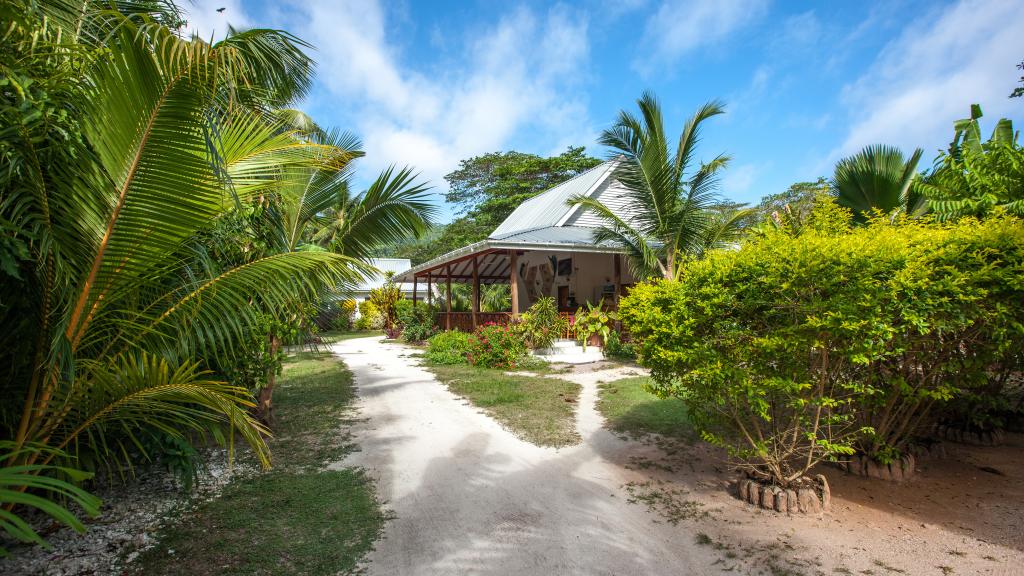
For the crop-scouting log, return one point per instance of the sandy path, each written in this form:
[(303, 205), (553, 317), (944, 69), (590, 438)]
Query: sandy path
[(471, 498)]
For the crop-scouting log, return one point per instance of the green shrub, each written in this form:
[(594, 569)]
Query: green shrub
[(385, 299), (798, 348), (496, 346), (370, 317), (416, 321), (448, 347), (594, 321), (616, 347), (541, 325)]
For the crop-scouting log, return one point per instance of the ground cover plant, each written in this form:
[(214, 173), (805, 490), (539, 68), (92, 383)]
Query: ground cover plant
[(801, 348), (448, 347), (537, 409), (322, 521)]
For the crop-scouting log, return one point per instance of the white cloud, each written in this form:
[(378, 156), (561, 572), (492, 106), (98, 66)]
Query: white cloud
[(204, 19), (679, 26), (737, 180), (519, 75), (930, 75)]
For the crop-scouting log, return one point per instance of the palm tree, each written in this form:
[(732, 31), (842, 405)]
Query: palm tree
[(314, 211), (672, 213), (104, 319), (879, 178)]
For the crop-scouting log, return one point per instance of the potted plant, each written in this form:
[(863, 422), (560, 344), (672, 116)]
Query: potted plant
[(593, 326)]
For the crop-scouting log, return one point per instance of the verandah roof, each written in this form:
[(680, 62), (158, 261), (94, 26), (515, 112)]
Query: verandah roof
[(492, 254)]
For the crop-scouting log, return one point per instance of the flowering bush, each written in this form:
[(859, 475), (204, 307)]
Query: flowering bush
[(496, 346)]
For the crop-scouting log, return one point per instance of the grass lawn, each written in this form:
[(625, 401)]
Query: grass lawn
[(332, 336), (627, 407), (297, 518), (538, 410)]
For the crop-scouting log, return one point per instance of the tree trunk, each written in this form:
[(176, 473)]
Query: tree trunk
[(264, 403)]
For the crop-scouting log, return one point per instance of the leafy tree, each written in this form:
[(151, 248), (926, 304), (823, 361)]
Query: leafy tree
[(975, 178), (489, 187), (674, 216), (1019, 90), (797, 201), (878, 178)]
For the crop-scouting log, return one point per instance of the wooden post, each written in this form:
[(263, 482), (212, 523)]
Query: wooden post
[(617, 265), (415, 280), (448, 297), (476, 292), (513, 282), (430, 290)]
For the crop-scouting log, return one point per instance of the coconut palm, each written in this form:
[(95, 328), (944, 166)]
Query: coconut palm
[(104, 318), (672, 202), (879, 179)]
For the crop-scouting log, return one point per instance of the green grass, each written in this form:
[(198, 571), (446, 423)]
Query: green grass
[(298, 518), (538, 410), (332, 336), (628, 408)]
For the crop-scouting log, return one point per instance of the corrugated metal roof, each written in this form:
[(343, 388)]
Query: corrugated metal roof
[(548, 208), (385, 265), (569, 235)]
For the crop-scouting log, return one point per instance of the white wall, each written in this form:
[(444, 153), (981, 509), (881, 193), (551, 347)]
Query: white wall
[(591, 272)]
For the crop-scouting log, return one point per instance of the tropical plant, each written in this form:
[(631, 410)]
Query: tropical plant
[(370, 317), (448, 347), (145, 140), (595, 320), (385, 298), (541, 325), (38, 486), (879, 179), (976, 178), (671, 214)]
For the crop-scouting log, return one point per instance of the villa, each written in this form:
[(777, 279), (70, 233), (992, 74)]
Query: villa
[(544, 248)]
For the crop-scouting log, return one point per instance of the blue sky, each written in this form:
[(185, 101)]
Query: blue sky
[(805, 83)]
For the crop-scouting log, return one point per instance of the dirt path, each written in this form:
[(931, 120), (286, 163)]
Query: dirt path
[(471, 498)]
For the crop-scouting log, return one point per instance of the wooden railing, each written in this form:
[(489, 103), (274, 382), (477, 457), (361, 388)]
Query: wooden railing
[(463, 321)]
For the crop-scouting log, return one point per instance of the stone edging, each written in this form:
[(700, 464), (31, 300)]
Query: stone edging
[(975, 438), (861, 465), (810, 500)]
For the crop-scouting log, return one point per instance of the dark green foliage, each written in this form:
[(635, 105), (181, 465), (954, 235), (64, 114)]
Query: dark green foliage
[(1019, 90), (448, 347), (798, 348)]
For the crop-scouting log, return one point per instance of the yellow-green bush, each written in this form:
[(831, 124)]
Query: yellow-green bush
[(802, 347)]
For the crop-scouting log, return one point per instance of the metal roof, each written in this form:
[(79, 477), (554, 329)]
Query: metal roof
[(550, 207), (385, 265), (537, 224)]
